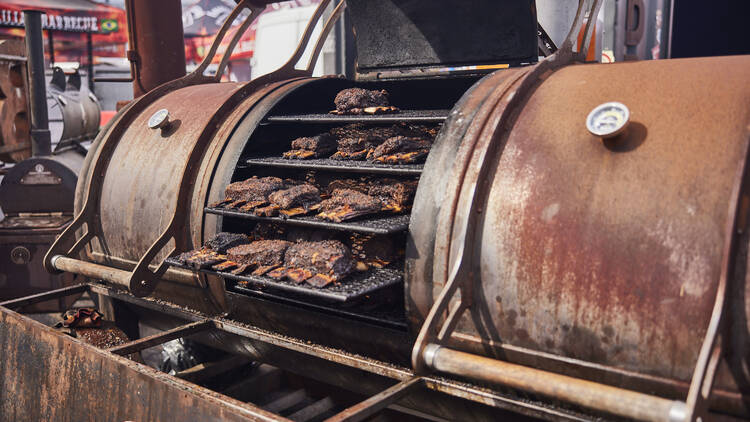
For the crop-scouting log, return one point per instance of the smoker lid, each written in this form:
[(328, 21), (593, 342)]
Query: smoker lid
[(409, 36)]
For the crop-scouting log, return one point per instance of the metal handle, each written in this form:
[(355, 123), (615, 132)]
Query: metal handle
[(592, 395)]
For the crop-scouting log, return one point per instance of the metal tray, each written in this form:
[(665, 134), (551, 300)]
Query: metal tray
[(375, 225), (354, 286)]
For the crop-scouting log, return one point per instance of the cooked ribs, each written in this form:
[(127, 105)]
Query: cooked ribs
[(253, 191), (312, 147), (296, 200), (200, 258), (401, 150), (263, 255), (346, 204), (359, 101), (394, 194), (318, 263), (223, 241)]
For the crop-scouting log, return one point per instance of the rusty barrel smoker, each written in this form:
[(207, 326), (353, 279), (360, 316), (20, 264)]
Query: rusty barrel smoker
[(606, 273)]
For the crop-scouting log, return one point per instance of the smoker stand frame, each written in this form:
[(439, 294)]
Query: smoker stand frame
[(145, 380)]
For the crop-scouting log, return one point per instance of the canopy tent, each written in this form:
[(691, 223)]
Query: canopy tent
[(68, 24)]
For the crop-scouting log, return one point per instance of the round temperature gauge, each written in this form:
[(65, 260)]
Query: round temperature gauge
[(159, 119), (608, 120)]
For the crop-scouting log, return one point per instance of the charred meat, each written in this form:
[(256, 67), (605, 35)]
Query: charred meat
[(346, 204), (201, 258), (262, 255), (401, 150), (296, 200), (306, 147), (318, 263), (223, 241), (394, 194), (253, 191), (360, 101)]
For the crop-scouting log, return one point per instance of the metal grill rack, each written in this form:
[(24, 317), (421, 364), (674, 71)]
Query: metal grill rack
[(374, 225), (411, 116), (352, 287), (328, 164)]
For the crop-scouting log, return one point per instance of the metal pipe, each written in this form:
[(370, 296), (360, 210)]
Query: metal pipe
[(157, 47), (41, 143), (89, 269), (592, 395)]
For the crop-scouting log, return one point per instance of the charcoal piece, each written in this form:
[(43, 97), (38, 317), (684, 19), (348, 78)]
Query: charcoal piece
[(260, 253), (304, 196), (317, 146), (355, 100), (329, 257), (223, 241), (346, 204), (254, 189)]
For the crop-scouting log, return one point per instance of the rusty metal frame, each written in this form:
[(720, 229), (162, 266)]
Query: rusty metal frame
[(142, 280), (436, 331), (407, 381), (378, 402)]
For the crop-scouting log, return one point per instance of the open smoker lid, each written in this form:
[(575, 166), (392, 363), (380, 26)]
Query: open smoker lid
[(412, 38)]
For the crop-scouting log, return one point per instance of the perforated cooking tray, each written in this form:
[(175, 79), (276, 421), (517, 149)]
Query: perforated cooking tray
[(354, 286)]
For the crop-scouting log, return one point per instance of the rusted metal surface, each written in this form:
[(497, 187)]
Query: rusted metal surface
[(370, 407), (157, 52), (629, 404), (593, 285), (44, 376), (161, 338)]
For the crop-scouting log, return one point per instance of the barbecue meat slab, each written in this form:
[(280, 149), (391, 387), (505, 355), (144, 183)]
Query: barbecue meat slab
[(223, 241), (254, 189), (200, 258), (306, 147), (304, 195), (362, 101), (394, 194), (260, 252), (401, 150), (317, 263), (346, 204)]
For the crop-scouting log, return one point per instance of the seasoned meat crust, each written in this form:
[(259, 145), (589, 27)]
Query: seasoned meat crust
[(401, 150), (394, 192), (312, 147), (254, 189), (353, 100), (303, 195), (328, 257), (354, 199), (223, 241), (261, 252)]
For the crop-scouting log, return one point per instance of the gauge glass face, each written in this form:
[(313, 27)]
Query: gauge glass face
[(608, 119), (158, 118)]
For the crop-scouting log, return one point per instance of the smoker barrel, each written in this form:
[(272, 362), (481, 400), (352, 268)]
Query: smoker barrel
[(598, 263)]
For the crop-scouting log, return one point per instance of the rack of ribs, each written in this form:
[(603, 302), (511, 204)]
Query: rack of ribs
[(362, 101), (355, 142), (345, 204), (395, 195), (317, 263), (312, 147), (296, 200), (261, 256), (401, 150), (252, 192), (213, 250)]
